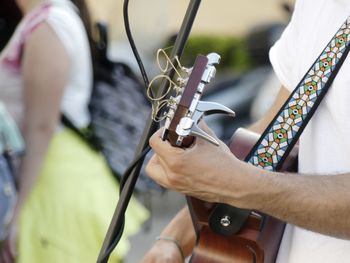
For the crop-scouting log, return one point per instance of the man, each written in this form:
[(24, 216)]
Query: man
[(316, 201)]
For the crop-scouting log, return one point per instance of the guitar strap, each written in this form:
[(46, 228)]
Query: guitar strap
[(282, 133)]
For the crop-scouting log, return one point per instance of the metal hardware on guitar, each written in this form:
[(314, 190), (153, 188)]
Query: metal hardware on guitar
[(187, 107)]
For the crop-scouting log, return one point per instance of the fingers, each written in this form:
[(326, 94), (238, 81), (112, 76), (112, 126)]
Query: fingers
[(160, 146), (174, 156), (163, 148), (155, 170)]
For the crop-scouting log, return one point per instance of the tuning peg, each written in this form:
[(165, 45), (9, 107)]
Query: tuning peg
[(210, 70), (213, 58), (208, 108)]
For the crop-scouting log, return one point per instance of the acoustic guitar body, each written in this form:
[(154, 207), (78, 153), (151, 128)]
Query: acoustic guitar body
[(258, 240)]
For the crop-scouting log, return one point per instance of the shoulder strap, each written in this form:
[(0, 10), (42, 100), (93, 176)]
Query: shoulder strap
[(285, 129)]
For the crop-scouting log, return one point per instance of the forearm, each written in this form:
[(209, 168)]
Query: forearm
[(37, 140), (317, 203)]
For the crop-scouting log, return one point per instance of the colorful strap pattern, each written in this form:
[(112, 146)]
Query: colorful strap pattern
[(283, 132)]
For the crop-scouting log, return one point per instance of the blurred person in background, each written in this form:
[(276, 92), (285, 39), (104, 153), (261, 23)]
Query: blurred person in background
[(66, 192), (315, 202)]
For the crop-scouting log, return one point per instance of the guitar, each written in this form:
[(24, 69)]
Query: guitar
[(259, 238)]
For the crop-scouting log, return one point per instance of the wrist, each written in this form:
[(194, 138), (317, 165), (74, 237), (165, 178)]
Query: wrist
[(255, 187), (266, 190), (174, 242)]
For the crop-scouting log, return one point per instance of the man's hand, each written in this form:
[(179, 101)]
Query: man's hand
[(208, 172)]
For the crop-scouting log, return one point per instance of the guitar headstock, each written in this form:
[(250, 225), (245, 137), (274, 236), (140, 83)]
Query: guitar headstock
[(186, 110)]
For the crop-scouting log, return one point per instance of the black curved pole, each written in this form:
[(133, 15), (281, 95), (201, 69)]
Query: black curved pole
[(125, 195)]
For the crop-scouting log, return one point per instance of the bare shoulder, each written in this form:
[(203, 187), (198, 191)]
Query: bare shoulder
[(44, 49)]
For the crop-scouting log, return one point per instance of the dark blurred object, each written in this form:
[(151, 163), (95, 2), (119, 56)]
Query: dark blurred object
[(119, 110), (239, 91), (239, 54), (288, 8), (10, 15), (261, 37), (259, 41)]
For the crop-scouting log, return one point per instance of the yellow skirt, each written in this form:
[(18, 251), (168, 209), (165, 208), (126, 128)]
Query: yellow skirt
[(66, 217)]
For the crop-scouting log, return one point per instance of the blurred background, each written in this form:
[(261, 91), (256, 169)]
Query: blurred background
[(240, 31), (225, 26)]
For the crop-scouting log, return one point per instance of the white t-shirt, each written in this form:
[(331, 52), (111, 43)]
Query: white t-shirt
[(62, 17), (325, 143)]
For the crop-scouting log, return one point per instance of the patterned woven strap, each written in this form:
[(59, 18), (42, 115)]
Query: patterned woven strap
[(283, 132)]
